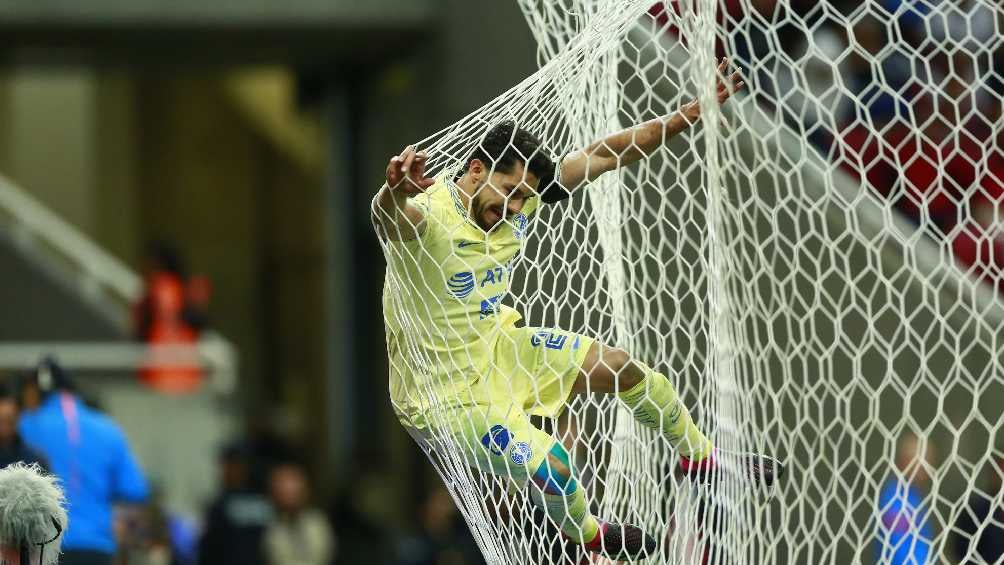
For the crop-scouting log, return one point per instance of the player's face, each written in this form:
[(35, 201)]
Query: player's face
[(501, 196)]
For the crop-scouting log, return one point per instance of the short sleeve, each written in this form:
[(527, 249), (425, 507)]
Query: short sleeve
[(421, 202), (436, 216)]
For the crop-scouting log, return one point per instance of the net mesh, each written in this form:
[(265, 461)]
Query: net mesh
[(815, 265)]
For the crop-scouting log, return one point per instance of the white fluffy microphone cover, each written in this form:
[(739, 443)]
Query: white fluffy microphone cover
[(30, 501)]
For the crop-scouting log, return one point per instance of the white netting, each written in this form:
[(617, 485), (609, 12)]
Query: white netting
[(814, 266)]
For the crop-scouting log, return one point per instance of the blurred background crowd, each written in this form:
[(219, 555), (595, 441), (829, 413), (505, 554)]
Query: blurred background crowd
[(265, 510), (184, 230), (904, 95), (188, 176)]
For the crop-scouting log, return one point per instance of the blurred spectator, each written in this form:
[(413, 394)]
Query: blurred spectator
[(170, 292), (909, 17), (172, 312), (299, 534), (810, 92), (138, 540), (268, 443), (89, 454), (878, 76), (12, 447), (236, 521), (183, 537), (967, 23), (980, 527), (151, 535), (905, 529), (357, 512), (443, 539)]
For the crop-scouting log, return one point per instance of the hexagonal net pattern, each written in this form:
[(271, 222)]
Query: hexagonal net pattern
[(816, 265)]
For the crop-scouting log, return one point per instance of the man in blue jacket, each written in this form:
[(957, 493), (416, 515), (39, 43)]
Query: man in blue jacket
[(906, 531), (90, 455)]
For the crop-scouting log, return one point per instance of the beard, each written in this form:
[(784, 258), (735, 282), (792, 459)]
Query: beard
[(488, 215)]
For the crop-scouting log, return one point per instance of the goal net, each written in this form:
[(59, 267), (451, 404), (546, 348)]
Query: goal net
[(815, 265)]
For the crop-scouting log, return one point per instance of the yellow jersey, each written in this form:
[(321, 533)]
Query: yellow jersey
[(443, 301)]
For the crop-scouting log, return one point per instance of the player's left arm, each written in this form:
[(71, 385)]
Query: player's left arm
[(637, 142)]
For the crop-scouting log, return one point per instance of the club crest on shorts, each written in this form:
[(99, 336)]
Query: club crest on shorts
[(519, 225), (521, 453), (497, 439)]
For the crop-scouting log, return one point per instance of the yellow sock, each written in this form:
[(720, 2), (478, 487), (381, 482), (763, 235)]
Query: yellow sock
[(572, 516), (656, 405)]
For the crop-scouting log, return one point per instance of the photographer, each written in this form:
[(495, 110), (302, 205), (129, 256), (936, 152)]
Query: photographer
[(90, 455)]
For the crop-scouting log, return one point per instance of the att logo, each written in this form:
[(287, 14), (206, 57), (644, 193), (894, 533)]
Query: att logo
[(461, 285)]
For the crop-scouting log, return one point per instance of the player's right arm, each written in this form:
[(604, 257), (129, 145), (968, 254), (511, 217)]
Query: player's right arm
[(638, 142), (394, 216)]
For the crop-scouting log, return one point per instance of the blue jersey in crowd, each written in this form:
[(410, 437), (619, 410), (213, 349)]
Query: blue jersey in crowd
[(906, 533), (90, 455)]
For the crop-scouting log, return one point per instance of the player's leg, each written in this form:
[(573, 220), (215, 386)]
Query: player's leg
[(554, 480), (505, 443), (651, 397), (655, 404)]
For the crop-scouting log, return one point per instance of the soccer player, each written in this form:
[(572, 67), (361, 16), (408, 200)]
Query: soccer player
[(464, 376)]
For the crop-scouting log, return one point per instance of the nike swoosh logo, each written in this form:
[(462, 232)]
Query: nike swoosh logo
[(468, 243)]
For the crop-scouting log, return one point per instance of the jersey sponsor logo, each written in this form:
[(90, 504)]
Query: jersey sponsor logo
[(551, 340), (493, 276), (461, 285), (497, 439), (521, 453), (519, 222), (490, 306)]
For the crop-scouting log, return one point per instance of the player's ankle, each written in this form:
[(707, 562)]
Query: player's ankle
[(597, 540), (622, 542), (705, 463), (580, 537)]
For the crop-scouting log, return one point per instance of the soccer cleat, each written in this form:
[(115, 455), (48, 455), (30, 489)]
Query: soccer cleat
[(621, 542), (760, 469)]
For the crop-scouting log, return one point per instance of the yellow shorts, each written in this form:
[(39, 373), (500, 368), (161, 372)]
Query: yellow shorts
[(533, 369), (531, 372)]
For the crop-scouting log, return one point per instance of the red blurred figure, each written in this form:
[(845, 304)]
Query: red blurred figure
[(978, 242), (169, 317)]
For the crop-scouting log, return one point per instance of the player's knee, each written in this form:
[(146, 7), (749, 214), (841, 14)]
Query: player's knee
[(614, 360), (619, 371), (554, 475), (629, 373)]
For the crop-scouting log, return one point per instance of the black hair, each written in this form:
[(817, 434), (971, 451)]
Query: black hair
[(166, 256), (506, 145), (7, 392), (49, 376)]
